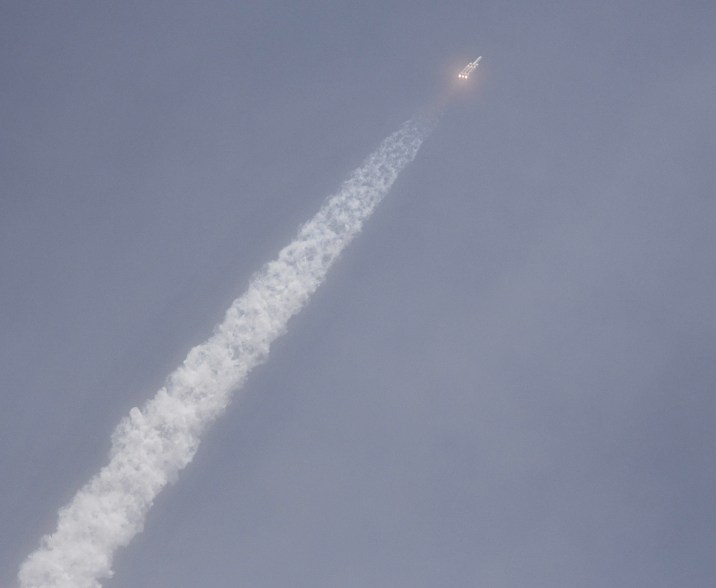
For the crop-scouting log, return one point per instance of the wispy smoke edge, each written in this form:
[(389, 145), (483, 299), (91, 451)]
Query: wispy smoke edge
[(151, 445)]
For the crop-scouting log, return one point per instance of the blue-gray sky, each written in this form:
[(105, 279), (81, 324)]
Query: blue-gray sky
[(507, 380)]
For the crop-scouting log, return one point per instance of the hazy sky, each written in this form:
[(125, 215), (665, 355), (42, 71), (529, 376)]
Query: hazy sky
[(508, 379)]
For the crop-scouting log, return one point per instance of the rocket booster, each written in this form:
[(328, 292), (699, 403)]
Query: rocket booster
[(469, 68)]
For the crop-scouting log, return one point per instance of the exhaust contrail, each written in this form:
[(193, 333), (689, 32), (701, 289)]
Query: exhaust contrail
[(151, 445)]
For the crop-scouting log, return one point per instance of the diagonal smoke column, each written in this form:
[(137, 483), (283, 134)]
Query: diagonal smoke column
[(152, 445)]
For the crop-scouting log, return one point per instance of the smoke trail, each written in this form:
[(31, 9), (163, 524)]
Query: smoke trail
[(150, 446)]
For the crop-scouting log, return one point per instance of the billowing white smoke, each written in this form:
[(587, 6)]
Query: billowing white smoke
[(151, 445)]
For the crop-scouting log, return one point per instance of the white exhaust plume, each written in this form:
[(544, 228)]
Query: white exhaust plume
[(151, 445)]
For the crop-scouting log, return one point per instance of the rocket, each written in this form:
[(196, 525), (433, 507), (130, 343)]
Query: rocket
[(469, 68)]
